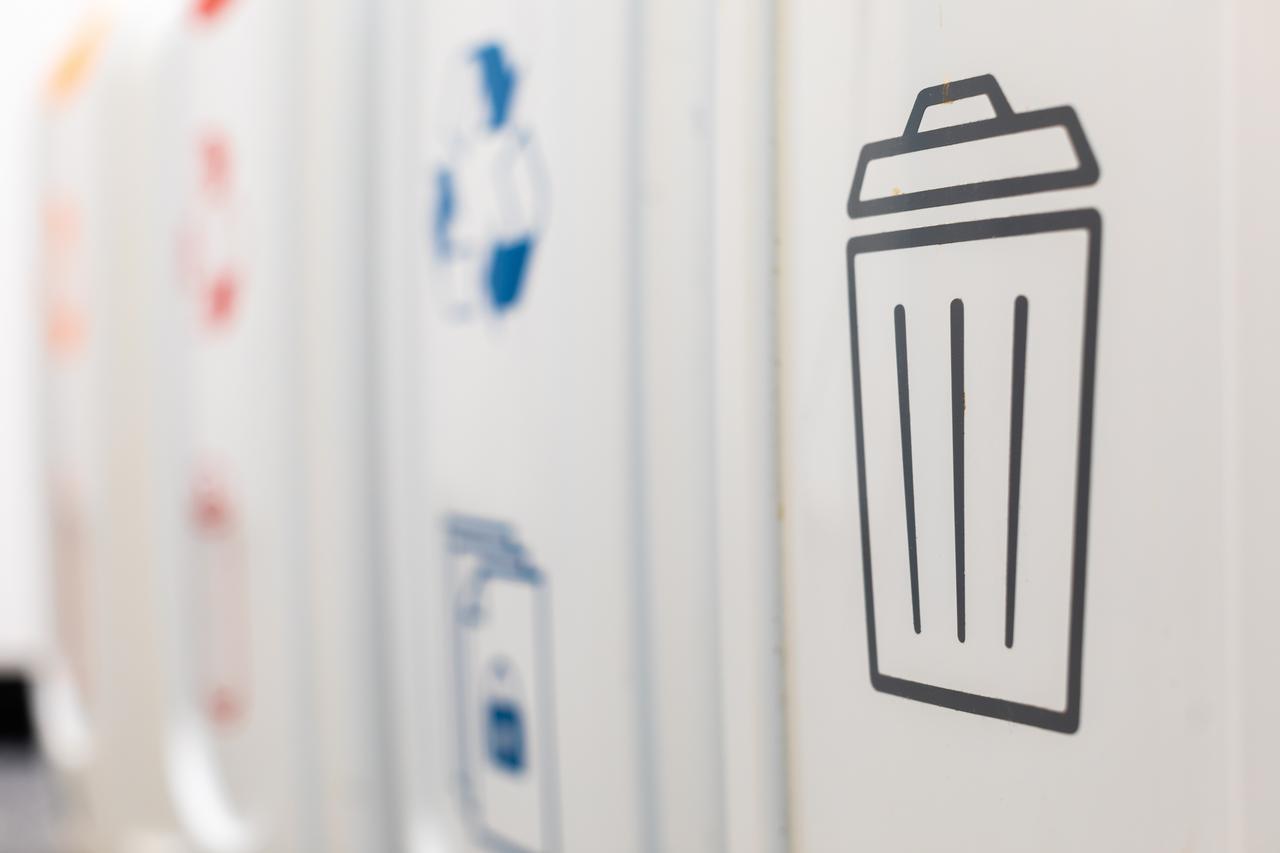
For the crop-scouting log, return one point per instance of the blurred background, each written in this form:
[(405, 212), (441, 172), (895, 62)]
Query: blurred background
[(238, 613)]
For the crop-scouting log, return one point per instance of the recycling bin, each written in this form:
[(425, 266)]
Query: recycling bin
[(510, 395), (504, 202), (73, 241), (74, 379), (237, 589), (101, 709), (973, 346)]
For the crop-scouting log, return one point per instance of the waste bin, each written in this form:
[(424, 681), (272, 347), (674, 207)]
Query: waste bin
[(973, 348)]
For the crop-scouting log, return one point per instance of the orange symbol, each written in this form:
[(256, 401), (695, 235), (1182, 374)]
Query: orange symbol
[(62, 223), (65, 321), (73, 66), (65, 327)]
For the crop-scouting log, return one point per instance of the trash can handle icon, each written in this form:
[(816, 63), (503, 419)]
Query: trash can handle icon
[(946, 93)]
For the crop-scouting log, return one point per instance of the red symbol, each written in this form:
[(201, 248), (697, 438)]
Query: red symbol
[(209, 9), (225, 706), (216, 154), (221, 599), (208, 245), (221, 299), (210, 507)]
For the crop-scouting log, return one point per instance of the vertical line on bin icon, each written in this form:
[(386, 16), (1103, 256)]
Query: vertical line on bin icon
[(1017, 398), (908, 475), (957, 451)]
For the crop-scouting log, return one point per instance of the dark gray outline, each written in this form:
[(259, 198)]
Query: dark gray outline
[(1017, 400), (1090, 221), (908, 474), (1006, 122), (957, 453)]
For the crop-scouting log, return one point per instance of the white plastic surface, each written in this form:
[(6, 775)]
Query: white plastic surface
[(574, 422), (1173, 638), (109, 443), (239, 587), (33, 33), (529, 410)]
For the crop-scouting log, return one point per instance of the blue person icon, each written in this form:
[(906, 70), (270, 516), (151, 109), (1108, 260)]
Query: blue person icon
[(488, 188)]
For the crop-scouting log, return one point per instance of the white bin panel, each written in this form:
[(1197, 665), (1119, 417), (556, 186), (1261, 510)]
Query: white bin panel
[(877, 767)]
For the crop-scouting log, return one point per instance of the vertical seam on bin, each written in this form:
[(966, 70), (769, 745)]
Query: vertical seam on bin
[(1016, 403), (908, 476), (957, 451)]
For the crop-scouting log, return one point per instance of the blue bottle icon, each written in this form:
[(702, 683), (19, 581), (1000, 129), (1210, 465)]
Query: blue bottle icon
[(505, 715), (504, 719)]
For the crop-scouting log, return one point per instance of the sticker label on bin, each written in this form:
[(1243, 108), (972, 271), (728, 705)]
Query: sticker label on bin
[(220, 605), (973, 350), (505, 735), (489, 186), (501, 645), (211, 242)]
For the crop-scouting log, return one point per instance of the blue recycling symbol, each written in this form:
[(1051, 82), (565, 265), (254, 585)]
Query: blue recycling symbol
[(488, 190)]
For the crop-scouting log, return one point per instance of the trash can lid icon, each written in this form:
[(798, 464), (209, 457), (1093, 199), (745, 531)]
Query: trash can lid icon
[(878, 187)]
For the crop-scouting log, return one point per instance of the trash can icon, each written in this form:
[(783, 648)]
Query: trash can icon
[(973, 349)]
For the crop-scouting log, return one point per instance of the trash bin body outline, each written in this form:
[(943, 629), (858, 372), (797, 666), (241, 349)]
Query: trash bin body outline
[(1086, 222)]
